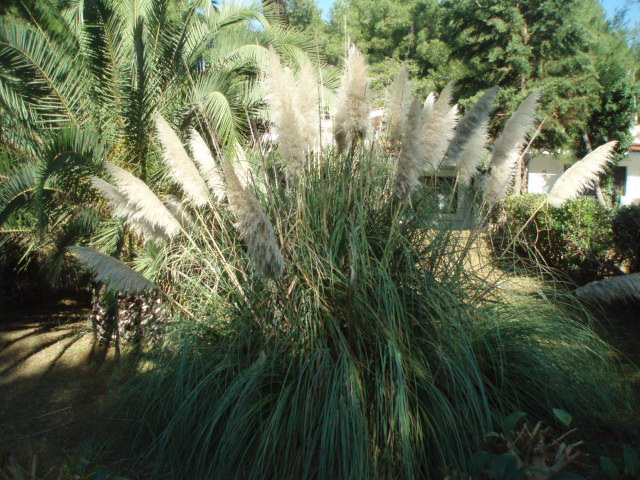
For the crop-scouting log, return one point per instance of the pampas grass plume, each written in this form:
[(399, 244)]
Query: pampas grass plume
[(473, 120), (427, 109), (409, 162), (439, 130), (398, 105), (182, 168), (307, 104), (612, 289), (288, 124), (253, 225), (352, 117), (206, 164), (114, 273), (148, 207), (472, 155), (581, 174), (123, 208), (508, 147)]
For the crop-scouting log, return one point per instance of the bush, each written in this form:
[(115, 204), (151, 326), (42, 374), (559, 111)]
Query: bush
[(377, 355), (626, 237), (574, 239)]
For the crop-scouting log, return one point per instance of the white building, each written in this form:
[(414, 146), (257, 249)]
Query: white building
[(545, 169)]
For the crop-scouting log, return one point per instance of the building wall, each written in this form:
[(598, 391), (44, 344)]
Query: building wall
[(632, 162), (544, 170)]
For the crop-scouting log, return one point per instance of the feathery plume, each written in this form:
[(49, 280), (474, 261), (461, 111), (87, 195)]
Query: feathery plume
[(612, 289), (178, 210), (508, 147), (115, 274), (148, 207), (472, 155), (352, 118), (123, 208), (307, 104), (398, 105), (581, 174), (427, 109), (206, 164), (184, 171), (253, 225), (281, 87), (438, 131), (241, 165), (409, 161), (473, 120)]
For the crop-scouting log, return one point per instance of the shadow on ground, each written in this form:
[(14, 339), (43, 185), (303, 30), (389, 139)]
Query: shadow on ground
[(53, 381)]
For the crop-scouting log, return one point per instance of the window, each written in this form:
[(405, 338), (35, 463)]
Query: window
[(620, 180)]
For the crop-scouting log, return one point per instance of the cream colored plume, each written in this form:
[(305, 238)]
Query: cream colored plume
[(253, 225), (280, 85), (351, 122), (182, 168), (473, 120), (439, 130), (123, 208), (612, 289), (147, 206), (207, 165), (581, 174), (308, 105), (472, 155), (398, 105), (427, 109), (115, 274), (508, 148), (178, 210), (410, 160)]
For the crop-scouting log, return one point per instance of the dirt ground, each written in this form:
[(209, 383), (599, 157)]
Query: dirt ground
[(53, 380)]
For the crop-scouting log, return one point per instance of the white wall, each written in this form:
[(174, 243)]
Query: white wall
[(632, 162), (544, 170)]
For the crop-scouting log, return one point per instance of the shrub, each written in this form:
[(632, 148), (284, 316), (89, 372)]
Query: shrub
[(573, 239), (626, 236)]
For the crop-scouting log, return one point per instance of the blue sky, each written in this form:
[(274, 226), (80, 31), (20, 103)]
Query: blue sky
[(610, 7)]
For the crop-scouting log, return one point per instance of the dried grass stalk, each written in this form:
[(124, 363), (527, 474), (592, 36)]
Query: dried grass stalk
[(182, 168), (352, 117), (581, 175), (253, 225), (178, 210)]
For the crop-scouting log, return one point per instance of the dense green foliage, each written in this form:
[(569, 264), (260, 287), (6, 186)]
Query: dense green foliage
[(573, 239), (626, 236)]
